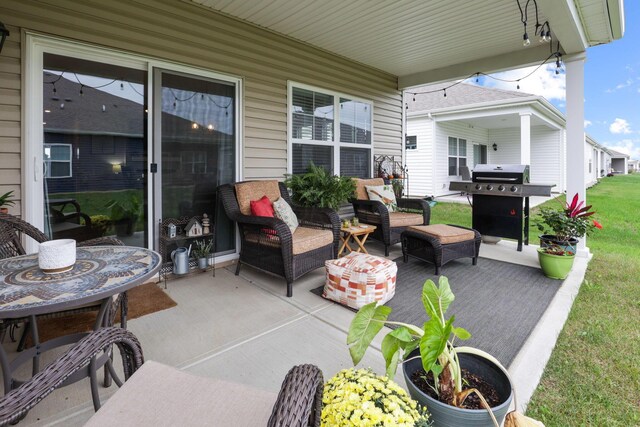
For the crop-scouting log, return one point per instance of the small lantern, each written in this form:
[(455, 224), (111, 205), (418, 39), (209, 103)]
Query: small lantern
[(171, 230)]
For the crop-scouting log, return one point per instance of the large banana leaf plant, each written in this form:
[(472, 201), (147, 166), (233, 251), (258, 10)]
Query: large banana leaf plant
[(434, 339)]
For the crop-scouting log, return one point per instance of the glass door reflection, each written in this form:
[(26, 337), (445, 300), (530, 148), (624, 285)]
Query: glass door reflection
[(195, 119)]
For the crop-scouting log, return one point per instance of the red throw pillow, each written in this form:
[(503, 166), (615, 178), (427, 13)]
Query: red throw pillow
[(262, 207)]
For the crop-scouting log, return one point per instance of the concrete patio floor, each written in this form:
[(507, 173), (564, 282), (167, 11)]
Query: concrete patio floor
[(244, 329)]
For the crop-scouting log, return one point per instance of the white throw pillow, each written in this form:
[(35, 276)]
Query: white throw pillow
[(385, 194), (283, 211)]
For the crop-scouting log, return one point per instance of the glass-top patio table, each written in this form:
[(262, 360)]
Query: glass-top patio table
[(100, 272)]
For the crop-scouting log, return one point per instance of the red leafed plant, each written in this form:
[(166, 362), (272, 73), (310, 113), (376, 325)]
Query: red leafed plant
[(574, 221)]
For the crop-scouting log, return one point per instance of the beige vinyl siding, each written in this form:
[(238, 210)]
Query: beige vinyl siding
[(456, 129), (186, 33), (420, 161), (10, 104)]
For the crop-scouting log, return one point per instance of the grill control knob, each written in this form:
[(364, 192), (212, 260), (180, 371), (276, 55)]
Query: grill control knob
[(513, 188), (478, 186), (489, 187), (501, 188)]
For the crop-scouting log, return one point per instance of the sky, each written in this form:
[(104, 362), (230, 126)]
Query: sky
[(612, 87)]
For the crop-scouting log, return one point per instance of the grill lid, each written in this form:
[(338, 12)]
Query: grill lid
[(517, 174)]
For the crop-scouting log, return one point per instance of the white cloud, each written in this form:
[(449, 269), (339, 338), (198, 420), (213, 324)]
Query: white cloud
[(544, 81), (587, 123), (619, 126)]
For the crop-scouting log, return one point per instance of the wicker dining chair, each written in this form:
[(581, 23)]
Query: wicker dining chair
[(11, 231), (15, 404)]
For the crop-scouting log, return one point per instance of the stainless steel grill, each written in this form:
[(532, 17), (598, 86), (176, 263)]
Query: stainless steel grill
[(501, 200)]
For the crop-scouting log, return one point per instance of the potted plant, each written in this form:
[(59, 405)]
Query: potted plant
[(6, 201), (318, 188), (438, 375), (556, 261), (124, 214), (564, 227), (201, 252)]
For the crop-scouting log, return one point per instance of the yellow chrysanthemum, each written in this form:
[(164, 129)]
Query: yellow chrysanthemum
[(357, 398)]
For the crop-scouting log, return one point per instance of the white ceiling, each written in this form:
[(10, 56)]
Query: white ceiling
[(418, 40)]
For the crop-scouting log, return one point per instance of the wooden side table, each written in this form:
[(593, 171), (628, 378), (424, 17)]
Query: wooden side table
[(357, 234)]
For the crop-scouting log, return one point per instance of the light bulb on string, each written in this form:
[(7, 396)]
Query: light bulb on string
[(81, 90), (121, 86), (518, 86), (445, 92), (54, 88), (525, 40), (477, 77), (414, 97)]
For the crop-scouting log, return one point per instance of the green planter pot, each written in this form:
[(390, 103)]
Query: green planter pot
[(555, 266)]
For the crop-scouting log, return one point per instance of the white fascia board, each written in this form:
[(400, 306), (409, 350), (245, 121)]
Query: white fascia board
[(616, 18), (536, 105), (566, 24)]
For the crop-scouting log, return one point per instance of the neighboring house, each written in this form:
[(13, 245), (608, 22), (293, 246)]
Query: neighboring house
[(634, 165), (619, 162), (475, 124), (266, 86)]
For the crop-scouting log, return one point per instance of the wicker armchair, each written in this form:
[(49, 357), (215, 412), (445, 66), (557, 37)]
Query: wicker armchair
[(15, 404), (390, 225), (268, 244), (11, 231)]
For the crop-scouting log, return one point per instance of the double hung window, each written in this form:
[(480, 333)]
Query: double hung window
[(330, 130), (57, 160), (457, 155)]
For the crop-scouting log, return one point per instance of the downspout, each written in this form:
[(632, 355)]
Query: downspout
[(403, 144)]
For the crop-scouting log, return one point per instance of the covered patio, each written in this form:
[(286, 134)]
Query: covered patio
[(244, 330), (261, 63)]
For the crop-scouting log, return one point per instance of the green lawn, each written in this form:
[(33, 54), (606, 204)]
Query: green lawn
[(593, 377)]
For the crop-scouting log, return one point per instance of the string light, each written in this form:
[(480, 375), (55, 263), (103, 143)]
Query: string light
[(543, 31), (476, 75)]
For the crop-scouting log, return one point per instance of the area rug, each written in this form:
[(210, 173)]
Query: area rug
[(143, 300), (499, 303)]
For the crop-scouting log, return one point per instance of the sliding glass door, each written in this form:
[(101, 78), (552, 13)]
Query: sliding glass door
[(195, 148), (94, 149)]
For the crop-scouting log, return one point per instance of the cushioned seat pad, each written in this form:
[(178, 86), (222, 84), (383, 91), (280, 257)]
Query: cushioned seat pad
[(446, 234), (404, 219), (304, 239), (159, 395)]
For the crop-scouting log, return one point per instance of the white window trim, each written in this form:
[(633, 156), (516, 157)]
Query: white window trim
[(36, 45), (47, 173), (336, 144), (457, 156)]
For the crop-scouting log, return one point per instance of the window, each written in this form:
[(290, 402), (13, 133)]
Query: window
[(194, 162), (411, 142), (479, 154), (457, 155), (57, 160), (343, 149)]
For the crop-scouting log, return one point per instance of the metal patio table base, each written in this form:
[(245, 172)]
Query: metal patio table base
[(100, 273), (430, 248)]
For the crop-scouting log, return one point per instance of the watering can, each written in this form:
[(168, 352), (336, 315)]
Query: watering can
[(180, 258)]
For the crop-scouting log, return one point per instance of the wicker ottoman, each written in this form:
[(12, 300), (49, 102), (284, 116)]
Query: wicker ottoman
[(440, 243), (358, 279)]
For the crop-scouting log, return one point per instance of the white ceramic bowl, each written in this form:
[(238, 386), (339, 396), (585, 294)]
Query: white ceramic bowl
[(57, 256)]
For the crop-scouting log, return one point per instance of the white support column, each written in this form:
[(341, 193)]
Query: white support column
[(525, 138), (576, 136)]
